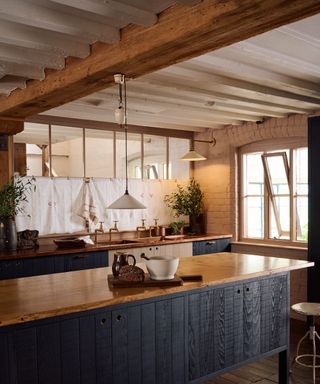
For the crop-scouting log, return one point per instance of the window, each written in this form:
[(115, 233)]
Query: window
[(274, 193), (61, 151)]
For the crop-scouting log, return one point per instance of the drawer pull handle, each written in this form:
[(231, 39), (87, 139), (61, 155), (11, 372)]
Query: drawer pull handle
[(211, 243), (238, 291), (247, 289), (103, 321), (79, 257), (119, 317)]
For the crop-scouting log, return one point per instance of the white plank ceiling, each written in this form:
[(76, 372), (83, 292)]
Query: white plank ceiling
[(272, 75)]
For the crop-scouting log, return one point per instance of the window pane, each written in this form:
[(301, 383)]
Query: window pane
[(67, 151), (254, 217), (280, 229), (278, 174), (177, 148), (302, 171), (155, 149), (253, 175), (134, 156), (30, 147), (99, 153), (302, 218)]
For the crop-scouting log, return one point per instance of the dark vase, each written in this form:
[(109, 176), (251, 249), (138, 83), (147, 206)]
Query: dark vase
[(196, 224), (11, 233), (2, 234)]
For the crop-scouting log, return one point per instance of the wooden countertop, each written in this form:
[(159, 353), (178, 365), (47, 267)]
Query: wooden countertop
[(52, 249), (39, 297)]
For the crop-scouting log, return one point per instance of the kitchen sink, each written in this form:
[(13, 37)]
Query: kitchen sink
[(119, 242)]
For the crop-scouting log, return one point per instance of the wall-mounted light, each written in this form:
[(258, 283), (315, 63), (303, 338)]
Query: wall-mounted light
[(192, 155), (126, 201)]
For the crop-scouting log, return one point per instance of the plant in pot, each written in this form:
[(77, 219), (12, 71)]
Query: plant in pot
[(12, 195), (177, 227), (188, 201)]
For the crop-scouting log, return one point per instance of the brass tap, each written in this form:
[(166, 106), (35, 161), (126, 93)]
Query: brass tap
[(155, 226), (98, 230), (142, 227), (113, 229)]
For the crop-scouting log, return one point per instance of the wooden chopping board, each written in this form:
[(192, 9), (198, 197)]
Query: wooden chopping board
[(114, 282)]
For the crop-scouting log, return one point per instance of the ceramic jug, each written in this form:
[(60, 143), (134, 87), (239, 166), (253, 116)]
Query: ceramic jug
[(121, 259)]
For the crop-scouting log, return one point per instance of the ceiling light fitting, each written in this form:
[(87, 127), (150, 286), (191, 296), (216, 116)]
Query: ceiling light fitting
[(192, 155), (126, 201)]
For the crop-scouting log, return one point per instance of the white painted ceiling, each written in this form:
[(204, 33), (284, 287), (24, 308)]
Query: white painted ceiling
[(272, 75)]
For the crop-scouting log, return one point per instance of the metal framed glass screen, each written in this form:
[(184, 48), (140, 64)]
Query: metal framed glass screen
[(60, 151)]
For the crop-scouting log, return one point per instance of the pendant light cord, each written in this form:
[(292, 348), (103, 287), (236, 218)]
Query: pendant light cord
[(126, 130)]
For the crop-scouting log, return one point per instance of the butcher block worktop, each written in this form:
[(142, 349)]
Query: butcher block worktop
[(39, 297)]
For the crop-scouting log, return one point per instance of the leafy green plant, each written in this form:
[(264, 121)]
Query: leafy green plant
[(177, 227), (186, 200), (12, 194)]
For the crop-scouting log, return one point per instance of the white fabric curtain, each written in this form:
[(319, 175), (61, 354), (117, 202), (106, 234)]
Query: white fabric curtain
[(55, 204)]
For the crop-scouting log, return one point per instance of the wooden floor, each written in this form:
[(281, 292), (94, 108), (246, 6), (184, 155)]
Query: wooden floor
[(265, 371)]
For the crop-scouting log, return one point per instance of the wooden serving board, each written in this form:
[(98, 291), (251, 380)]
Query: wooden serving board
[(115, 282)]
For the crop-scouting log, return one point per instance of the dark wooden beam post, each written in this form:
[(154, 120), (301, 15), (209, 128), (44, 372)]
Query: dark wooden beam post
[(314, 209), (8, 128)]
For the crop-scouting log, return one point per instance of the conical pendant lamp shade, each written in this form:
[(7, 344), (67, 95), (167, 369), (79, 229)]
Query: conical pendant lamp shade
[(126, 201), (193, 156)]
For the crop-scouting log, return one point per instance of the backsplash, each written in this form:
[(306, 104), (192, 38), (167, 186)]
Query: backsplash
[(55, 205)]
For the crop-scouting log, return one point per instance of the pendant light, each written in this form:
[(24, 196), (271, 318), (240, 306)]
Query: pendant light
[(126, 201), (192, 155)]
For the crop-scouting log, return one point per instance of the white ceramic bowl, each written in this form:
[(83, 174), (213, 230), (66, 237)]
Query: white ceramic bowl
[(162, 268)]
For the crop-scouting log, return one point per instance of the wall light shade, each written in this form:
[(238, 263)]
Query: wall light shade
[(126, 201), (193, 156)]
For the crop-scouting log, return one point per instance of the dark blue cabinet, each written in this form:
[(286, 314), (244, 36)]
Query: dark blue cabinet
[(180, 338), (44, 265), (210, 246)]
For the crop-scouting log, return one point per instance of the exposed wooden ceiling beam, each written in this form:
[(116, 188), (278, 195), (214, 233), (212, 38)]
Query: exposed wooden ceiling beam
[(181, 33)]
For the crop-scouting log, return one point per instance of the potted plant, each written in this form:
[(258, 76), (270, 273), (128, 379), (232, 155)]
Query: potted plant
[(188, 201), (12, 194), (177, 227)]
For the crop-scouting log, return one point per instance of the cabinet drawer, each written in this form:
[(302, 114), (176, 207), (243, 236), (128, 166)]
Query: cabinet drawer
[(210, 246), (12, 269), (86, 260)]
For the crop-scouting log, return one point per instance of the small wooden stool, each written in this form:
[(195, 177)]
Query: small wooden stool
[(312, 310)]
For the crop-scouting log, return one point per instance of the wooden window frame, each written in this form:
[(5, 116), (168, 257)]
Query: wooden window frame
[(268, 147)]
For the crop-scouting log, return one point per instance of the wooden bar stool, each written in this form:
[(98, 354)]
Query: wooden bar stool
[(312, 310)]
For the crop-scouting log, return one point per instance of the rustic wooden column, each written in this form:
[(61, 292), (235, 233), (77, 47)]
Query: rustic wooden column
[(8, 128), (314, 209)]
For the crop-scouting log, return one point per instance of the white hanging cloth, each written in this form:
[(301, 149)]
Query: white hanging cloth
[(86, 205)]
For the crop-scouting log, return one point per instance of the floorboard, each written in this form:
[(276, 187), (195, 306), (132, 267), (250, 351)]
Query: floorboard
[(265, 371)]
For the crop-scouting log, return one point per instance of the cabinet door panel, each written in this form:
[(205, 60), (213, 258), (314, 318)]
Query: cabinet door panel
[(87, 349), (49, 362), (70, 354), (252, 319), (25, 355), (120, 346), (148, 343), (4, 358), (103, 348)]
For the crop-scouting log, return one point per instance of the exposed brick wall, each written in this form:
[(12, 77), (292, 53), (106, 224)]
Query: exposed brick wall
[(217, 175), (218, 179)]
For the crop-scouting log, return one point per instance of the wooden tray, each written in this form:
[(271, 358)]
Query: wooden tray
[(114, 282)]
